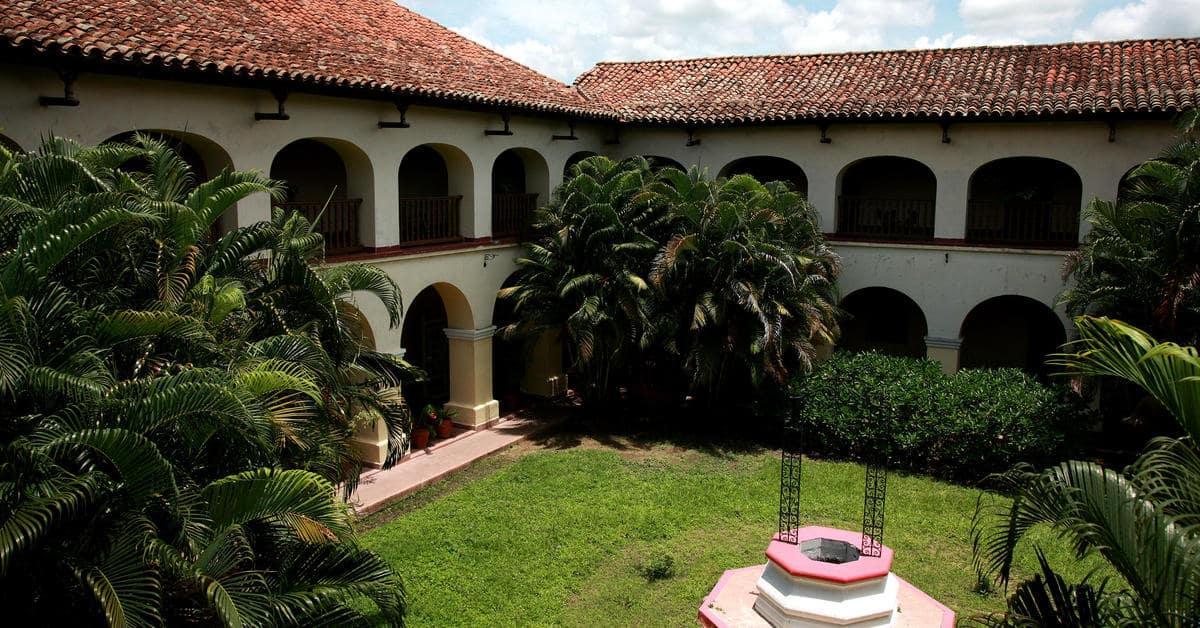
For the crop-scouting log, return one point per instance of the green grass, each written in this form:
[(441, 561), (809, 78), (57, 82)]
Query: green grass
[(559, 537)]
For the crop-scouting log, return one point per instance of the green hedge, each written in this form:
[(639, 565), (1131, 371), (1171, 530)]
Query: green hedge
[(960, 426)]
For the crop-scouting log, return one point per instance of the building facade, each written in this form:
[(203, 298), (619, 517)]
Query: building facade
[(953, 227)]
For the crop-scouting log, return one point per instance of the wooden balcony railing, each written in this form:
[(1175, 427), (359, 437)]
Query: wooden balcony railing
[(885, 218), (511, 213), (1038, 223), (338, 223), (429, 219)]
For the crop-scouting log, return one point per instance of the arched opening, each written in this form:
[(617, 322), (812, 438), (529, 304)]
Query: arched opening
[(425, 345), (10, 144), (359, 326), (883, 320), (508, 356), (574, 159), (658, 162), (330, 183), (889, 198), (766, 169), (1126, 186), (204, 157), (435, 190), (1010, 331), (1024, 200), (520, 177), (423, 336)]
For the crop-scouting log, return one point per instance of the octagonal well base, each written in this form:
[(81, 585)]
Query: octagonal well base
[(730, 604)]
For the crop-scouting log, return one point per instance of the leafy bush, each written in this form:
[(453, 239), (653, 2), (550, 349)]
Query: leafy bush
[(659, 566), (860, 405), (177, 409), (713, 286)]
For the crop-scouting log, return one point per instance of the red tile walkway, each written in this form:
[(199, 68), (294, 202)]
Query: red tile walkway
[(378, 487)]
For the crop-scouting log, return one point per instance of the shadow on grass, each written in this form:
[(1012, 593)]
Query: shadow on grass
[(722, 434)]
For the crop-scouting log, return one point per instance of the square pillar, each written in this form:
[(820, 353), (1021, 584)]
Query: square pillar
[(370, 443), (544, 375), (945, 351), (471, 376)]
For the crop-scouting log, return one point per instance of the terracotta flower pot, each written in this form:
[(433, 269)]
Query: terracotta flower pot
[(420, 438), (444, 428)]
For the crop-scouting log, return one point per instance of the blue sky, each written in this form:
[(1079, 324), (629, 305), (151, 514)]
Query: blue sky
[(562, 38)]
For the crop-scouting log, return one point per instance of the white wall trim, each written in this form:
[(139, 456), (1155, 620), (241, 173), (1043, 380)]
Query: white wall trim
[(473, 335), (944, 343)]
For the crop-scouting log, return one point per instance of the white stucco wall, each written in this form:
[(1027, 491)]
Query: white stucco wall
[(945, 280), (1082, 145)]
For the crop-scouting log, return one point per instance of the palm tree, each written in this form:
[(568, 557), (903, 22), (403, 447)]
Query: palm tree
[(1144, 521), (747, 281), (584, 275), (1141, 261), (176, 411)]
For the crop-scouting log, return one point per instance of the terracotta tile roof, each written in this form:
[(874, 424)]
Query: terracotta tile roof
[(1072, 79), (376, 46), (356, 45)]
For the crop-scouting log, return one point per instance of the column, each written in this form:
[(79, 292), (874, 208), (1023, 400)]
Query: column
[(370, 443), (370, 440), (544, 375), (945, 351), (471, 376), (950, 208)]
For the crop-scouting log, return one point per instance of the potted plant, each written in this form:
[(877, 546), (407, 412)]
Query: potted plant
[(420, 435), (446, 423)]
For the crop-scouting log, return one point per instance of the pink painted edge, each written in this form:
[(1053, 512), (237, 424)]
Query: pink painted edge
[(789, 558), (947, 614), (707, 616)]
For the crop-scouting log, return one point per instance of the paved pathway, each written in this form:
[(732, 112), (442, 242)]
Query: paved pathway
[(377, 487)]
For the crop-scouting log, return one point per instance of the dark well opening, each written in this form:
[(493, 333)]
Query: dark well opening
[(829, 551)]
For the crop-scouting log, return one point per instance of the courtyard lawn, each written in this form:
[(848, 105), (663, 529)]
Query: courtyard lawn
[(560, 533)]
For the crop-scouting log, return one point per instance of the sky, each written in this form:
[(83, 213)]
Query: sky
[(563, 38)]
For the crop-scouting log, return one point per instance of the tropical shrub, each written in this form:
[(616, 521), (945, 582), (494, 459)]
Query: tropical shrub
[(584, 277), (1140, 263), (1142, 520), (745, 284), (907, 412), (697, 285), (175, 412)]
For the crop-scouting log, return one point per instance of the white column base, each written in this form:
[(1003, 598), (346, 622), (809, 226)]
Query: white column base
[(945, 351), (370, 444), (788, 601), (475, 416)]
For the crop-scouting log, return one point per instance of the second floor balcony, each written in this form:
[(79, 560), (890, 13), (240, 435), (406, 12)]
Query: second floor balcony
[(885, 218), (511, 213), (429, 219)]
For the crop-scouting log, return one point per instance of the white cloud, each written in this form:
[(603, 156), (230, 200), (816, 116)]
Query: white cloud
[(1014, 21), (1147, 18), (563, 39)]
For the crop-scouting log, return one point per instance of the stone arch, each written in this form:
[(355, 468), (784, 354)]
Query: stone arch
[(434, 309), (886, 197), (520, 181), (10, 144), (1010, 331), (885, 320), (205, 157), (574, 159), (332, 182), (358, 324), (768, 168), (658, 162), (1024, 201), (509, 356), (1126, 185), (437, 194)]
